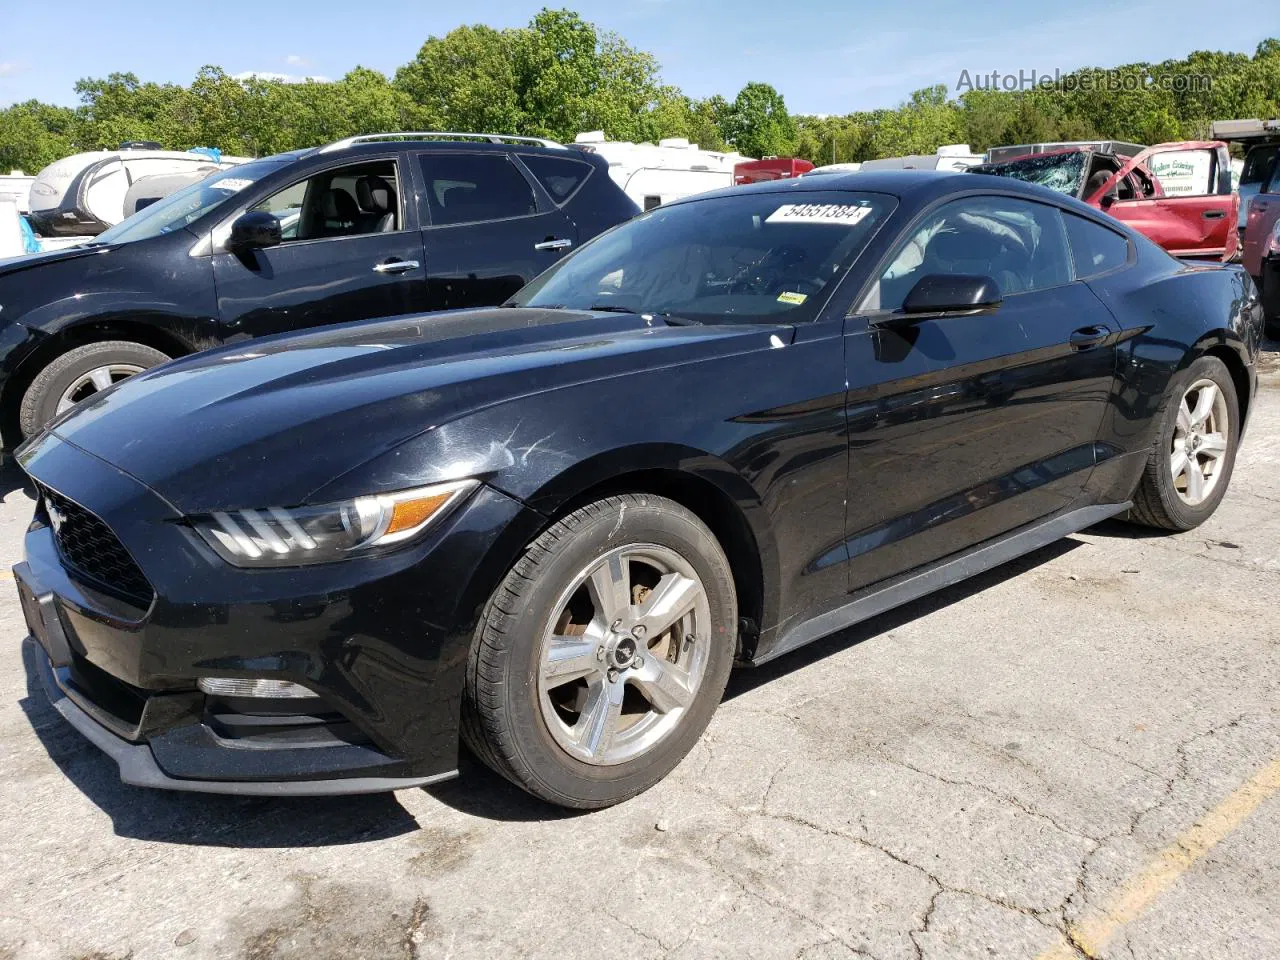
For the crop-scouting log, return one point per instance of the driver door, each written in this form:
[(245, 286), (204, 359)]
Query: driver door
[(965, 427), (1194, 211), (351, 250)]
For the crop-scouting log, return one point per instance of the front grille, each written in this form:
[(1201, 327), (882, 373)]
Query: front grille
[(91, 552)]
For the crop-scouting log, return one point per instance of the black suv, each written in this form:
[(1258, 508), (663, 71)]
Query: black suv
[(371, 226)]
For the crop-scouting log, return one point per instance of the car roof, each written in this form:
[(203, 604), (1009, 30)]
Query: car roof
[(915, 189), (462, 146), (909, 186)]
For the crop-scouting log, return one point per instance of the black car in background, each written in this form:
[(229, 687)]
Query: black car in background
[(319, 563), (372, 226)]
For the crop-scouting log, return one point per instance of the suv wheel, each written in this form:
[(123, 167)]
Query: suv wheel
[(80, 373), (602, 656), (1190, 465)]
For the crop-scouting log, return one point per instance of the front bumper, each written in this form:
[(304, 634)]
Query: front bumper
[(382, 641), (139, 768)]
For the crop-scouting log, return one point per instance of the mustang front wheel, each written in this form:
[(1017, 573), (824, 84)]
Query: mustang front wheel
[(600, 659)]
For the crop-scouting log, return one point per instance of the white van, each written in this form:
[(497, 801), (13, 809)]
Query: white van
[(83, 194), (653, 174)]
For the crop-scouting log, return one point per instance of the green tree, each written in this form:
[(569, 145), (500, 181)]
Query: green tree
[(34, 135), (560, 75), (758, 125), (925, 122), (464, 81)]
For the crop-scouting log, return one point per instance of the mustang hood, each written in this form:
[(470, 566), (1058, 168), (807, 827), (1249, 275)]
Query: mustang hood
[(267, 422)]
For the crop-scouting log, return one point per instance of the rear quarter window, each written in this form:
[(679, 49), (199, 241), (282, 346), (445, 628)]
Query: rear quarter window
[(560, 176), (1094, 248)]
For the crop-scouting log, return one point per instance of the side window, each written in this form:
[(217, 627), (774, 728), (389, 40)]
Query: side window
[(559, 176), (1094, 248), (1186, 173), (343, 202), (1018, 243), (474, 187)]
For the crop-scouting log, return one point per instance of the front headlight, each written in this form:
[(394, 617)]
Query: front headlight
[(280, 537)]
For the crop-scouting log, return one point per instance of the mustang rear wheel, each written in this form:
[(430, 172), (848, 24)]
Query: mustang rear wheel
[(602, 656), (1190, 466)]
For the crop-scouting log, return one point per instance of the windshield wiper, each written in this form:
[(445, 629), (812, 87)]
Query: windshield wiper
[(669, 318)]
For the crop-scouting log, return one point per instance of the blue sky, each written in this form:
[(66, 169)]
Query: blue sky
[(826, 56)]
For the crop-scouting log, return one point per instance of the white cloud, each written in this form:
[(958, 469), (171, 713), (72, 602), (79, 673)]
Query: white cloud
[(10, 69), (278, 77), (296, 60)]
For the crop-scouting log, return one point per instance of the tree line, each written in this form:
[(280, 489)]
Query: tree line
[(562, 75)]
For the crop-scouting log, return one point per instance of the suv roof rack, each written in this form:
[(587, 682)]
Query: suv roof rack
[(439, 135)]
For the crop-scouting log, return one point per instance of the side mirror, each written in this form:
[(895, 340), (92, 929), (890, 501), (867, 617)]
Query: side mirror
[(254, 230), (951, 293)]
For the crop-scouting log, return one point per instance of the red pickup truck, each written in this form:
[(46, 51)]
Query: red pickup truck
[(1178, 194)]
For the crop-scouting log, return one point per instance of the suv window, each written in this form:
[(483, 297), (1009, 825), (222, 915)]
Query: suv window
[(341, 202), (559, 176), (1259, 164), (1094, 248), (1018, 243), (474, 187)]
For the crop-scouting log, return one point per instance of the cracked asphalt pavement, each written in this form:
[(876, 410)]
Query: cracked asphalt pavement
[(1072, 756)]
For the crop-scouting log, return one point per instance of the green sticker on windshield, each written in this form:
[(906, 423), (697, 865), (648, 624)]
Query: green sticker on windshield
[(788, 297)]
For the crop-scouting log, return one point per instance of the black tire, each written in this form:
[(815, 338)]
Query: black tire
[(502, 720), (40, 402), (1156, 503)]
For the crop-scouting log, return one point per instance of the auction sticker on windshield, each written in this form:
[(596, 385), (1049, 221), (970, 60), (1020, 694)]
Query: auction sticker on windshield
[(845, 214), (233, 184)]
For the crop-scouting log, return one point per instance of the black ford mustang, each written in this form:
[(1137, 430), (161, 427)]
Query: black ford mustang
[(318, 563)]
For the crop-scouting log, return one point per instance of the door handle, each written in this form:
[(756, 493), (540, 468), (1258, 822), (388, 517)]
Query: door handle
[(554, 243), (1213, 214), (1088, 337), (396, 266)]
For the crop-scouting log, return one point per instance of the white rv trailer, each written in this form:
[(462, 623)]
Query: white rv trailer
[(653, 174), (953, 156), (83, 194)]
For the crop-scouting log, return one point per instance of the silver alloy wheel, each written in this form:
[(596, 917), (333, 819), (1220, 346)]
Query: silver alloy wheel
[(623, 654), (1200, 439), (99, 378)]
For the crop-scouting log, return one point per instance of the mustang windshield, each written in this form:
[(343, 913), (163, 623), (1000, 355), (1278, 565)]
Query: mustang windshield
[(763, 257), (188, 204)]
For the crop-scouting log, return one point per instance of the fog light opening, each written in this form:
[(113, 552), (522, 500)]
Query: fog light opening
[(238, 687)]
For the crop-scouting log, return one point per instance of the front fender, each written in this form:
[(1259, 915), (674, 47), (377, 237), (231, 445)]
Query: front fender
[(193, 328), (524, 450)]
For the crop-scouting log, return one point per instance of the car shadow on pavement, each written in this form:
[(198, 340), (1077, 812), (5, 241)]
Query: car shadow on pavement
[(479, 792), (746, 680), (205, 819), (482, 793), (13, 480)]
